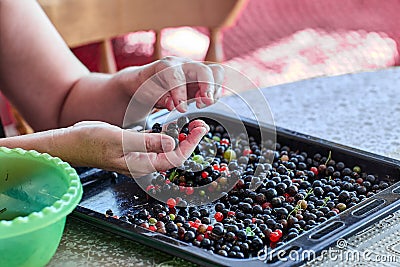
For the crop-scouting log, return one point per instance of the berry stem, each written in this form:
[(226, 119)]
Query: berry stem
[(173, 175), (329, 157)]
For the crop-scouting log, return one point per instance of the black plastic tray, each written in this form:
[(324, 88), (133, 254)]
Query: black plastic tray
[(104, 190)]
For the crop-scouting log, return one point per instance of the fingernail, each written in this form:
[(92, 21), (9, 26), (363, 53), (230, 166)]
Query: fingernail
[(202, 105), (166, 101), (210, 95), (183, 105), (167, 144)]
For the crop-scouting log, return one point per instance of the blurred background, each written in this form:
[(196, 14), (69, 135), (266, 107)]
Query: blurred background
[(279, 41), (270, 41)]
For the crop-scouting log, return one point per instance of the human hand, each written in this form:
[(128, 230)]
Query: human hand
[(105, 146), (172, 82)]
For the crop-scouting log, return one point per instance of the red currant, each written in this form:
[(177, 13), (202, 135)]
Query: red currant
[(266, 205), (314, 170), (336, 211), (231, 213), (274, 237), (182, 137), (200, 237), (171, 203), (189, 190), (224, 168), (279, 231), (219, 216), (204, 174), (148, 188), (247, 152), (224, 141)]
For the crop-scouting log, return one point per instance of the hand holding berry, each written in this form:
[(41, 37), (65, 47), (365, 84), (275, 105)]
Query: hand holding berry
[(171, 82)]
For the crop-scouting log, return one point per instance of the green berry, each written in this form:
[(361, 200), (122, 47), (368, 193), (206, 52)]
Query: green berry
[(198, 158), (341, 206), (357, 169), (216, 138), (152, 221), (230, 154)]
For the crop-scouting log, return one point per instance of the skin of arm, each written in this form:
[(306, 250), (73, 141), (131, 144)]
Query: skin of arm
[(38, 72), (51, 88)]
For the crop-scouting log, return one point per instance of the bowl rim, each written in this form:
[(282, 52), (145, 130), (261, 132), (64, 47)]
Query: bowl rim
[(49, 214)]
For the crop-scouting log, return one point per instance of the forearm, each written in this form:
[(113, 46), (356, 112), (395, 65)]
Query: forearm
[(94, 97), (51, 142), (37, 69)]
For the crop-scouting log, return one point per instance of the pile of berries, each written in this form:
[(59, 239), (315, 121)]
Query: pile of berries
[(210, 163), (270, 203)]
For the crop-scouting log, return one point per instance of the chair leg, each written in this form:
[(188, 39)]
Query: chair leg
[(22, 126), (157, 46), (107, 63), (215, 52)]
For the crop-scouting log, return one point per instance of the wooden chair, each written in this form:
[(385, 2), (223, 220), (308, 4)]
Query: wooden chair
[(82, 22)]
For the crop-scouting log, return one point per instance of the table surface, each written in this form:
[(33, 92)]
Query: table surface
[(361, 110)]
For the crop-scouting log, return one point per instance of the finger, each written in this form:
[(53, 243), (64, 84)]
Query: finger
[(150, 162), (199, 102), (172, 79), (203, 75), (198, 123), (169, 103), (165, 161), (162, 97), (218, 72), (147, 142), (153, 90), (175, 80)]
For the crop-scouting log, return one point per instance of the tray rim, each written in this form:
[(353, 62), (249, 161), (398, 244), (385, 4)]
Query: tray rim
[(204, 258)]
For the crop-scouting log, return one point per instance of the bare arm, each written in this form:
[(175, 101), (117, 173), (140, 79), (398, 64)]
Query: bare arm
[(51, 88), (41, 76)]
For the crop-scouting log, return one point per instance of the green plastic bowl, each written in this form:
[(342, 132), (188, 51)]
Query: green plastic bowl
[(37, 192)]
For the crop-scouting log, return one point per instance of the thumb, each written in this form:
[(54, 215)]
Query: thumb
[(147, 142)]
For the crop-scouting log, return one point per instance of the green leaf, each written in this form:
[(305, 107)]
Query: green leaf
[(249, 232), (173, 175)]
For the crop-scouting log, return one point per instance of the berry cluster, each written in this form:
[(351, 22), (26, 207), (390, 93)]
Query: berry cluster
[(270, 203), (210, 164), (177, 130)]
